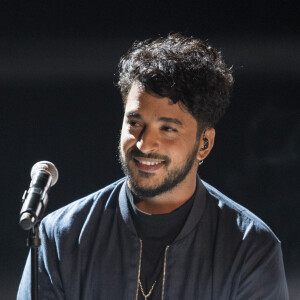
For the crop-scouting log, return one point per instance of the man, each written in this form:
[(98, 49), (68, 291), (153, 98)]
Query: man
[(161, 232)]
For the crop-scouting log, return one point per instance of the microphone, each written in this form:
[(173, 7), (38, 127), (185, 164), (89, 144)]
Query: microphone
[(44, 175)]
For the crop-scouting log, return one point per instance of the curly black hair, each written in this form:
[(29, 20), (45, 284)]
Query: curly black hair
[(184, 69)]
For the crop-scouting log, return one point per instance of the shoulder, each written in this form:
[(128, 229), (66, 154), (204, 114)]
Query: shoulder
[(235, 217), (77, 213)]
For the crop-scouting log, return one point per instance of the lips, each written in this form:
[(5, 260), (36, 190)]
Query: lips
[(148, 164)]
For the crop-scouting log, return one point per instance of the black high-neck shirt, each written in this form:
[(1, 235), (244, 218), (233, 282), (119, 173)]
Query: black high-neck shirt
[(156, 232)]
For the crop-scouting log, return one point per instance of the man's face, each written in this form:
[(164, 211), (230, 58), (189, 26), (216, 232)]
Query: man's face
[(158, 145)]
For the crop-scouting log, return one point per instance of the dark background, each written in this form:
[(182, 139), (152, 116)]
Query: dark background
[(59, 103)]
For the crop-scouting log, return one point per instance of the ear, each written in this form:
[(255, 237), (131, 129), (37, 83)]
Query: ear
[(207, 140)]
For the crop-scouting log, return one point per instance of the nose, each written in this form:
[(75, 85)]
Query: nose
[(148, 141)]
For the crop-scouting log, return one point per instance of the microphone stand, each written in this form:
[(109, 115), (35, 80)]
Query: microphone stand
[(43, 176), (33, 242)]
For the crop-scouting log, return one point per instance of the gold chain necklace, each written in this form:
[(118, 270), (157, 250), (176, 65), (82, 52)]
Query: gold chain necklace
[(139, 277), (153, 285), (150, 291)]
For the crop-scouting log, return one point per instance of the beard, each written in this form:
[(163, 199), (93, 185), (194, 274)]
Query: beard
[(173, 177)]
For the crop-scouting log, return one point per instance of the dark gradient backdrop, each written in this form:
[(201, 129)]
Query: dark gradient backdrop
[(59, 103)]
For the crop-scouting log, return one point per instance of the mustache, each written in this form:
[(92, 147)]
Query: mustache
[(136, 152)]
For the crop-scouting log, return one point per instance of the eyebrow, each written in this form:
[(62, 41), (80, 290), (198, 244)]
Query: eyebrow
[(170, 120), (162, 119), (133, 115)]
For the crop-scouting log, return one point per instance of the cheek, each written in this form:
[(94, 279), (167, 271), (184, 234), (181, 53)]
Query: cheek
[(179, 151), (127, 139)]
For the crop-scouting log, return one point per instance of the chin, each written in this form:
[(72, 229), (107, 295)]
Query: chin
[(145, 180)]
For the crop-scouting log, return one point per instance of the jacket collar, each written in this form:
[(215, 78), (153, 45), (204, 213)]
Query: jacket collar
[(193, 219)]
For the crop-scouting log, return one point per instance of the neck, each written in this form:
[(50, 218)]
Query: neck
[(170, 200)]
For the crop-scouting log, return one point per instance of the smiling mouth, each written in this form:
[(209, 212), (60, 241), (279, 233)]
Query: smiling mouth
[(148, 164)]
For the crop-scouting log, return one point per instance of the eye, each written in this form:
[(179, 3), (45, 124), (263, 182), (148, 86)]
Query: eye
[(133, 123), (168, 129)]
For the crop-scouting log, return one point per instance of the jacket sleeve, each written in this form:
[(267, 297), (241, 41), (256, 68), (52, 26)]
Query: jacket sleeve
[(50, 285), (263, 275)]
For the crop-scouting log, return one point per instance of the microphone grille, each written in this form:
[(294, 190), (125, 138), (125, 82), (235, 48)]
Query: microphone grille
[(47, 166)]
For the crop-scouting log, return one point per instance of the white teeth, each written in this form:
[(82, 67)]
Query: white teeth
[(148, 163)]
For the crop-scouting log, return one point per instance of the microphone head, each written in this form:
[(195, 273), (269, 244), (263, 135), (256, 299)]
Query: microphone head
[(47, 166)]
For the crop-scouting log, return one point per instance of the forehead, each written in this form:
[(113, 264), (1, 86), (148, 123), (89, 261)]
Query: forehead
[(150, 106)]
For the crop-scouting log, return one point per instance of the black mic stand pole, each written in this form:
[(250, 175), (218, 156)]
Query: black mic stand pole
[(44, 175), (33, 242)]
